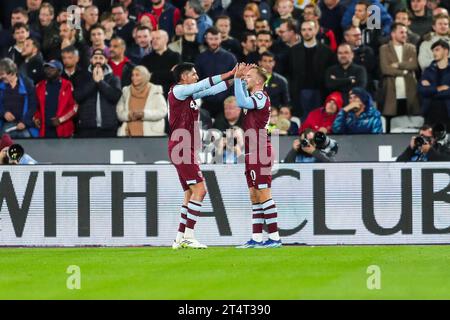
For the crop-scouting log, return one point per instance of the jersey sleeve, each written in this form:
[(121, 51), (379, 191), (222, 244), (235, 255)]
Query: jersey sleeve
[(255, 101), (183, 91), (218, 88)]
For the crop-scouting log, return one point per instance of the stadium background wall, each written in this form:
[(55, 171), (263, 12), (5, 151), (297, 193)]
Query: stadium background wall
[(132, 205)]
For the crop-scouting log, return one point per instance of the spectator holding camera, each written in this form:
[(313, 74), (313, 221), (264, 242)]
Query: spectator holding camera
[(230, 149), (421, 148), (359, 116), (11, 153), (312, 147), (322, 118)]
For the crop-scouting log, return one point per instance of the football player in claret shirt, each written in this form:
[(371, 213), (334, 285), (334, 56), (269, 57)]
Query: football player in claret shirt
[(184, 142), (258, 153)]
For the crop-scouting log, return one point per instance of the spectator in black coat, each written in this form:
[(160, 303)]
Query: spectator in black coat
[(214, 61), (21, 32), (97, 99), (434, 87), (48, 28), (142, 46), (124, 26), (33, 65), (161, 60), (277, 85), (248, 44), (422, 19), (345, 75), (264, 42), (72, 71), (363, 56), (308, 61), (68, 36), (223, 23)]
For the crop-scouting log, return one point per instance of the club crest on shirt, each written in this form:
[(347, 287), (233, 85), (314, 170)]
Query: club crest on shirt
[(259, 95), (245, 111), (193, 105)]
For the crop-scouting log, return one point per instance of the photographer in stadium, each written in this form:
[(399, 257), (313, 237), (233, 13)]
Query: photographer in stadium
[(312, 147), (427, 146), (13, 154)]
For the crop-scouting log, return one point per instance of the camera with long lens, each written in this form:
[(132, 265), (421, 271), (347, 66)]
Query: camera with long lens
[(304, 143), (15, 152), (321, 140), (420, 141)]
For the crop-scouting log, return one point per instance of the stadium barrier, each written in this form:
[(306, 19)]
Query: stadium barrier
[(135, 205), (356, 148)]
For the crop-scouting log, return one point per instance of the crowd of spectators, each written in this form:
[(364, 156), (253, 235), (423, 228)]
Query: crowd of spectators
[(330, 69)]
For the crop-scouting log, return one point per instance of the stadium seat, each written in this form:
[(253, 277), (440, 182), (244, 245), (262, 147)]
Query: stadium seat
[(383, 123), (406, 124)]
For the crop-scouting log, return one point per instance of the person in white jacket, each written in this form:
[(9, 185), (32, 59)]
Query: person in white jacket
[(142, 107)]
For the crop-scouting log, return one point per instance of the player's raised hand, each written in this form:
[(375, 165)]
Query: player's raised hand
[(239, 70)]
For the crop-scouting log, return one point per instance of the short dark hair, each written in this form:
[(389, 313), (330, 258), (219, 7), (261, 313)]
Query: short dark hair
[(266, 54), (141, 27), (440, 43), (20, 10), (70, 49), (97, 26), (121, 41), (264, 32), (223, 17), (35, 43), (20, 25), (119, 5), (261, 20), (397, 25), (363, 2), (213, 30), (180, 69), (425, 127), (403, 11), (247, 34)]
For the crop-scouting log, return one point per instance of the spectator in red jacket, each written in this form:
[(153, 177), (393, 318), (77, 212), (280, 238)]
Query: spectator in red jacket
[(323, 117), (56, 106)]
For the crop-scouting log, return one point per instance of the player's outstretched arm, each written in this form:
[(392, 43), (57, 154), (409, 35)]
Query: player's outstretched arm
[(218, 88), (243, 101), (183, 91)]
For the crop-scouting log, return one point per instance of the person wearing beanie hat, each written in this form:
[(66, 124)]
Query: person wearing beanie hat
[(359, 116), (323, 118)]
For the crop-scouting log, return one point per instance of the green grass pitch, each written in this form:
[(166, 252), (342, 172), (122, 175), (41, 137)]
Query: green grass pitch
[(335, 272)]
